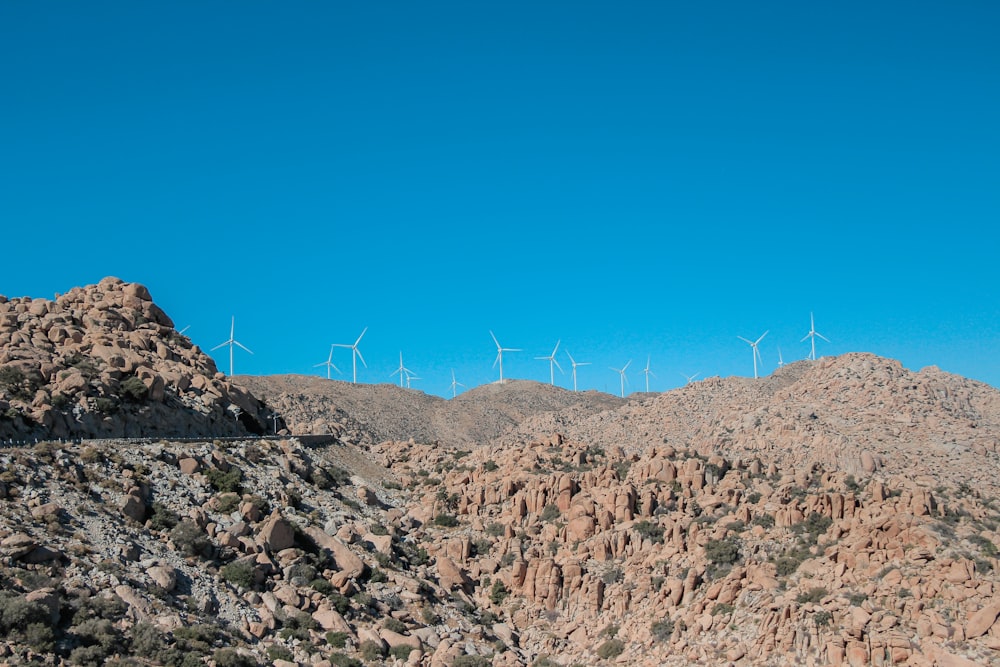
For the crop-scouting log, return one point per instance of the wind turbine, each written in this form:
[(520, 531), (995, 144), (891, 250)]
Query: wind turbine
[(553, 364), (690, 378), (403, 371), (812, 334), (756, 352), (781, 362), (411, 377), (454, 383), (621, 371), (328, 363), (355, 353), (647, 373), (231, 342), (500, 351), (575, 364)]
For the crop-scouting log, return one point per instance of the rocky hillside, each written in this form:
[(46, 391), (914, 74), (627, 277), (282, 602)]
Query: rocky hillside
[(105, 361), (374, 413), (838, 512)]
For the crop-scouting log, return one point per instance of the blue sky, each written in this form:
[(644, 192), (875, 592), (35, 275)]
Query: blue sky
[(636, 179)]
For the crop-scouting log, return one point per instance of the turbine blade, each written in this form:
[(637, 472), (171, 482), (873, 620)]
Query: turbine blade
[(745, 340), (361, 336), (358, 352), (243, 346), (762, 335), (495, 340), (557, 365), (220, 345), (806, 336), (823, 337)]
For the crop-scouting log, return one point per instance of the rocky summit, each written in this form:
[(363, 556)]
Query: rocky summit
[(837, 512)]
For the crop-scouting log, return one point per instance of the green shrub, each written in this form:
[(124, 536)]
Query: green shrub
[(499, 592), (445, 520), (722, 609), (650, 530), (341, 660), (472, 661), (764, 520), (336, 639), (226, 482), (401, 651), (239, 573), (190, 539), (16, 613), (611, 649), (495, 529), (230, 657), (723, 552), (662, 630), (490, 466), (822, 618), (227, 503), (371, 650), (279, 652), (812, 595), (550, 512), (105, 405), (133, 389)]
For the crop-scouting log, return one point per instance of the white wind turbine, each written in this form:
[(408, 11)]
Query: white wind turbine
[(621, 371), (690, 378), (231, 342), (500, 351), (553, 364), (355, 353), (454, 384), (756, 352), (328, 363), (647, 372), (813, 334), (403, 372), (781, 362), (575, 364)]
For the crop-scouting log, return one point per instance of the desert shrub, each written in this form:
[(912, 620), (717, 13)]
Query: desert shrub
[(230, 657), (401, 651), (371, 650), (190, 539), (812, 595), (815, 524), (394, 625), (472, 661), (105, 405), (722, 609), (499, 592), (16, 613), (341, 660), (133, 389), (988, 548), (611, 649), (378, 575), (162, 518), (239, 573), (227, 502), (336, 639), (822, 618), (495, 529), (856, 598), (723, 552), (226, 482), (764, 520), (40, 637), (613, 576), (445, 520), (650, 530), (145, 640), (279, 652), (753, 498), (490, 465), (662, 630)]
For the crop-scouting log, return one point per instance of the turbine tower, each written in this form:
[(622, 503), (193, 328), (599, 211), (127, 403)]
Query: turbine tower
[(575, 364), (813, 334), (690, 378), (231, 342), (403, 372), (756, 352), (647, 373), (621, 371), (328, 363), (553, 364), (454, 383), (355, 353), (500, 351)]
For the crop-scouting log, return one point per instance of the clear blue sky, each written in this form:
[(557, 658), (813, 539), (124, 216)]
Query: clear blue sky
[(635, 179)]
